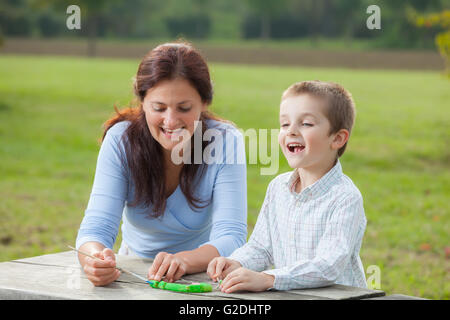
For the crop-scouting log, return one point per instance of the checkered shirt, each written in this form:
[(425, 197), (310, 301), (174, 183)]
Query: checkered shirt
[(309, 239)]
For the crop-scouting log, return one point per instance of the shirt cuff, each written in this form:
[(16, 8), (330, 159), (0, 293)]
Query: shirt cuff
[(282, 279)]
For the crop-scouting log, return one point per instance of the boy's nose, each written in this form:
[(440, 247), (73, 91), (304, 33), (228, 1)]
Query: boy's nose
[(293, 131)]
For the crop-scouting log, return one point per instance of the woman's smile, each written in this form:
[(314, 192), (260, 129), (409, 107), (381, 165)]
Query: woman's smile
[(172, 133)]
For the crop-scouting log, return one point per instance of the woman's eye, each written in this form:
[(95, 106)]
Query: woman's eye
[(158, 109), (184, 109)]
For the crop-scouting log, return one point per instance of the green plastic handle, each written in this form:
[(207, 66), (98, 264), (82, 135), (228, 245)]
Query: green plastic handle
[(195, 287)]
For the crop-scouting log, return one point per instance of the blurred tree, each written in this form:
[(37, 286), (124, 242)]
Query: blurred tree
[(232, 19), (315, 14), (351, 14), (442, 39), (202, 29), (15, 18), (266, 10), (192, 26), (226, 18), (49, 24), (401, 33), (193, 21), (133, 18)]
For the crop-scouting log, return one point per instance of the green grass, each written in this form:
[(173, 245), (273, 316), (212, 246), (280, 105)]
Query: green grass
[(52, 110)]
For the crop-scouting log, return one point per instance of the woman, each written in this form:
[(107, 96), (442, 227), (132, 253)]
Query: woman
[(181, 214)]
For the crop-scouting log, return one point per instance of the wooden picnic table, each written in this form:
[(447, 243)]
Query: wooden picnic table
[(60, 276)]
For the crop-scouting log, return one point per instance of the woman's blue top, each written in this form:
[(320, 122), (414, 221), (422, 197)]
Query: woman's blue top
[(223, 223)]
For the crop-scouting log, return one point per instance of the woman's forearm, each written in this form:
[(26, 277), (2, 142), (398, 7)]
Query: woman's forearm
[(197, 260)]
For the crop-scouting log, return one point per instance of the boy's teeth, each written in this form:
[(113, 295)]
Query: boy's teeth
[(294, 147)]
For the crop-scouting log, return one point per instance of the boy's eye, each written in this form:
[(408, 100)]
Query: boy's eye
[(306, 124), (284, 125)]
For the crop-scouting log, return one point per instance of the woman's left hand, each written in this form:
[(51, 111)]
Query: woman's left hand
[(169, 265)]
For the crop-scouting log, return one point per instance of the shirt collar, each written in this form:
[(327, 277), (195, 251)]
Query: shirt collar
[(319, 187)]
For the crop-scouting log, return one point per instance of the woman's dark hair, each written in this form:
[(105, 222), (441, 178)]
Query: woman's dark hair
[(143, 153)]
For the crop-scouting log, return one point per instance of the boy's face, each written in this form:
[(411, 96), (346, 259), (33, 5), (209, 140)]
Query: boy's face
[(304, 132)]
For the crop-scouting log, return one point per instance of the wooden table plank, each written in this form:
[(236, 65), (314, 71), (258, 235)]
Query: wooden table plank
[(340, 292), (397, 297), (30, 281), (59, 276)]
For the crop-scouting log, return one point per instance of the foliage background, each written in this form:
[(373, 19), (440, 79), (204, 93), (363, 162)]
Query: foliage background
[(52, 109)]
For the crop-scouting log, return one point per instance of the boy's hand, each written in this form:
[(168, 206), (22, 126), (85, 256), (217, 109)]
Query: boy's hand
[(220, 267), (245, 279)]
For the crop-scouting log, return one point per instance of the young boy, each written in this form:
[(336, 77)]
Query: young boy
[(312, 221)]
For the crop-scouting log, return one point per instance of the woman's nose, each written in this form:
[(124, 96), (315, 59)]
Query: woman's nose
[(170, 119)]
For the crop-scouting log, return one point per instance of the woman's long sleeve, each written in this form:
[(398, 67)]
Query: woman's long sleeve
[(229, 207), (109, 193)]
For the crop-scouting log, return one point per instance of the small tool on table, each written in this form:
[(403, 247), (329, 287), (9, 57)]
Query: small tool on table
[(194, 287)]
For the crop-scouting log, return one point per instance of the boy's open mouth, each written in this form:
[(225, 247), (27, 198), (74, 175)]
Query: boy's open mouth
[(295, 147)]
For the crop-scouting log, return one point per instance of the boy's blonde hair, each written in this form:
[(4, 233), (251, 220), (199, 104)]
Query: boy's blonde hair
[(340, 107)]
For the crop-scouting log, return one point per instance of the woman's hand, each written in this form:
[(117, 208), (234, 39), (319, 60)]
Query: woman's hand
[(170, 265), (101, 273), (248, 280), (220, 267)]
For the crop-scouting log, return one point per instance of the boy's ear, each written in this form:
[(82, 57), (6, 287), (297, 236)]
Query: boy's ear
[(340, 138)]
